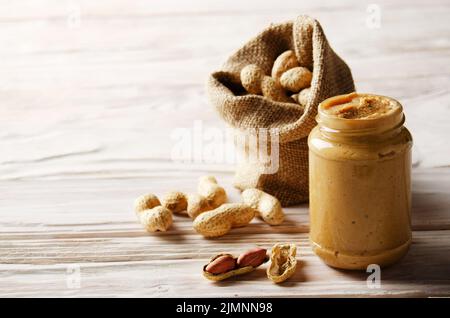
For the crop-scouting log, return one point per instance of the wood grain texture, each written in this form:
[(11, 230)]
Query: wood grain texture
[(91, 93), (144, 267), (90, 223), (170, 266)]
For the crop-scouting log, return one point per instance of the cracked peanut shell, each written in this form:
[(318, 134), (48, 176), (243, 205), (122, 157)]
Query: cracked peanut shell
[(283, 262)]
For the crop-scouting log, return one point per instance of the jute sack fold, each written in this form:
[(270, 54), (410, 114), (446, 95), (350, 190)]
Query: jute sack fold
[(331, 76)]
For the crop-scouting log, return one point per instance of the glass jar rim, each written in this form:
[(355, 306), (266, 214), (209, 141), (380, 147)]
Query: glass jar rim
[(382, 123)]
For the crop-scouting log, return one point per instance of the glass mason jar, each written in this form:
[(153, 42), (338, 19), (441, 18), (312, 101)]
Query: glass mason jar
[(360, 181)]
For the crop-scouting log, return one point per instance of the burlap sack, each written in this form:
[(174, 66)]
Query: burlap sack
[(331, 76)]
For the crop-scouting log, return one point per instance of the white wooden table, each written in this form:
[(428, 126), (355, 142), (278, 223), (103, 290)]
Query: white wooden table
[(90, 93)]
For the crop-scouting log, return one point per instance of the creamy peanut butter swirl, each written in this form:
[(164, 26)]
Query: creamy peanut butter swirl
[(361, 106)]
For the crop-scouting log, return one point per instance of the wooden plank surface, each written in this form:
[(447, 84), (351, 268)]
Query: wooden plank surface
[(91, 93), (90, 223), (55, 207), (145, 266)]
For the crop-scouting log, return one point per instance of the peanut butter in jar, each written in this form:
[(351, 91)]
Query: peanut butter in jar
[(360, 181)]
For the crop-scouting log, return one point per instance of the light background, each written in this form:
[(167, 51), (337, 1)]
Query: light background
[(94, 88)]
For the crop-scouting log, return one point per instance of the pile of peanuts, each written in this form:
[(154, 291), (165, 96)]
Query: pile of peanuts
[(212, 216), (289, 82)]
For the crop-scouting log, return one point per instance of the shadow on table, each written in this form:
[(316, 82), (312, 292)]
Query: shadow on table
[(430, 205), (176, 234), (430, 211), (427, 262)]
